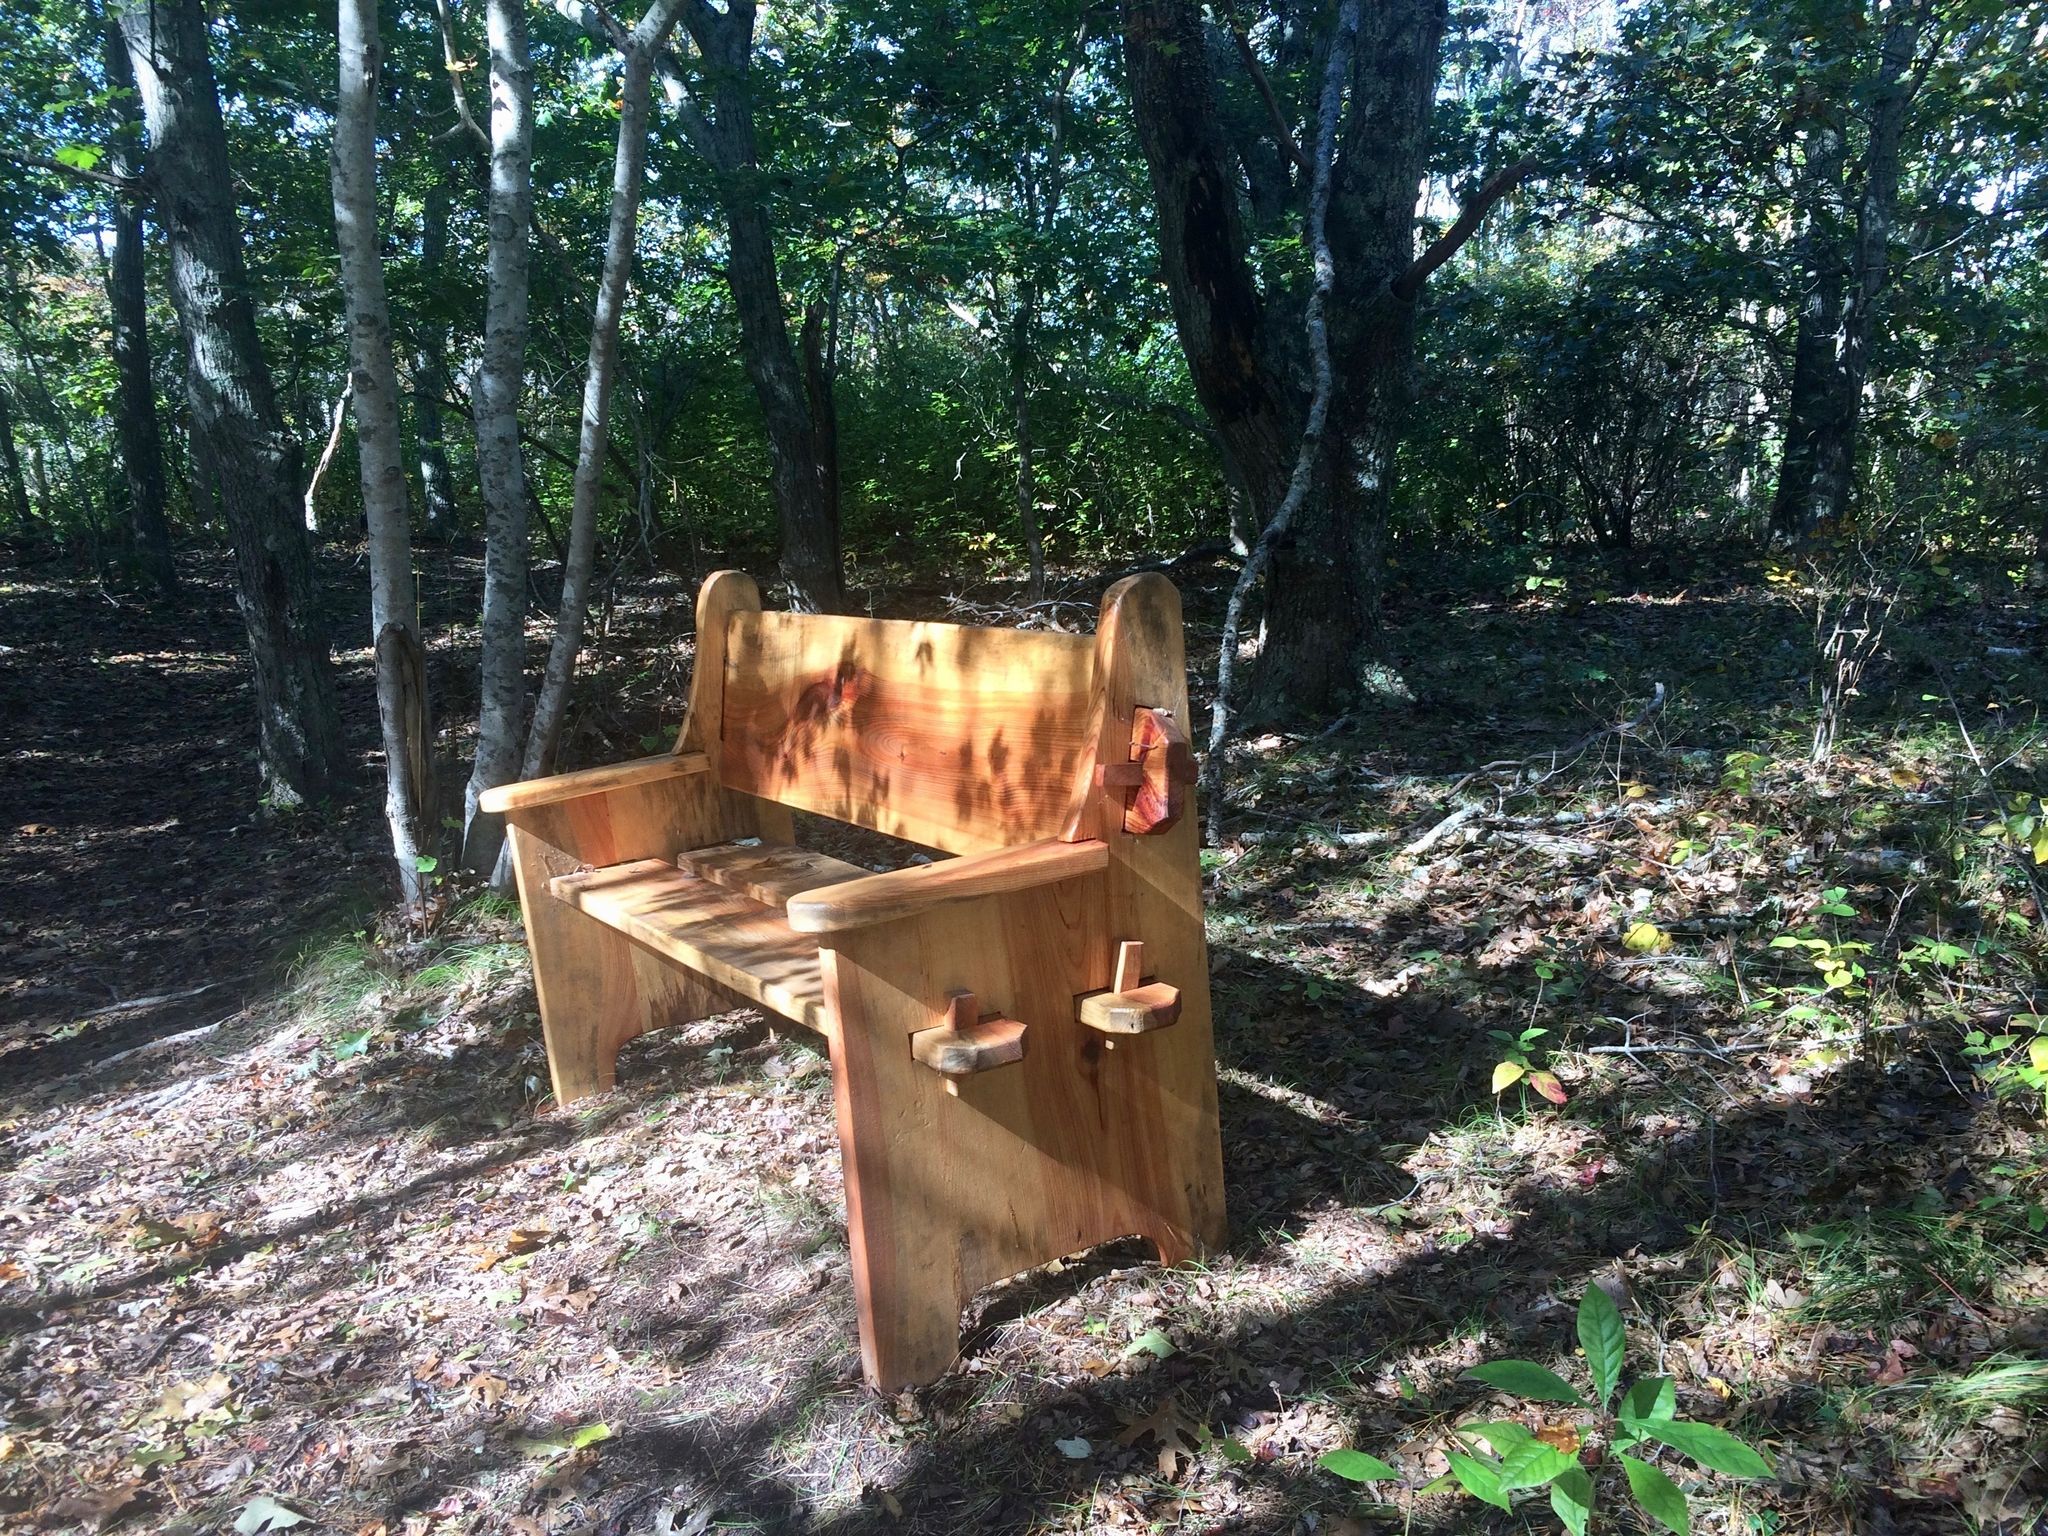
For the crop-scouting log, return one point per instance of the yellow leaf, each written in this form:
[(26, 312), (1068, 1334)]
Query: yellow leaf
[(1645, 939), (1905, 778), (2037, 1053), (1635, 791), (1507, 1074), (1720, 1388)]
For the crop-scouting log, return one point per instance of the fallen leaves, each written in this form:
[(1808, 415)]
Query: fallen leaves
[(263, 1513), (189, 1399)]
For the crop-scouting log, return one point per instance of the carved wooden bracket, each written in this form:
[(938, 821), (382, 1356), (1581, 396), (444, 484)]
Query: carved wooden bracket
[(1132, 1006), (1156, 780), (967, 1042)]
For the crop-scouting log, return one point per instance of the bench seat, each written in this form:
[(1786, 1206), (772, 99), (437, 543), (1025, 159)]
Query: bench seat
[(740, 943)]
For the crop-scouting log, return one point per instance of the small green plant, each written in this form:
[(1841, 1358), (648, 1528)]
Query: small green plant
[(2014, 1060), (2024, 826), (1498, 1458), (1516, 1065)]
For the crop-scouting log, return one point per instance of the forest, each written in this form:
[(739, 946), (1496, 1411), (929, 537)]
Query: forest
[(1601, 451)]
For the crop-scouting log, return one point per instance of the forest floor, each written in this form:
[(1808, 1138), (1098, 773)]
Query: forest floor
[(291, 1234)]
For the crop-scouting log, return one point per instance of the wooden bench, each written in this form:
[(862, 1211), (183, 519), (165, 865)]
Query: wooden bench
[(1020, 1034)]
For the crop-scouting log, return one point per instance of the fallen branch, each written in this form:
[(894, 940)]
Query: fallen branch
[(1561, 758)]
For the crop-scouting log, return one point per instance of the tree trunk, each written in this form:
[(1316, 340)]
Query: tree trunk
[(394, 604), (810, 560), (501, 468), (430, 375), (237, 432), (142, 450), (1021, 325), (1202, 248), (820, 376), (1830, 367), (1322, 610), (1324, 642), (551, 704), (10, 460), (1816, 356), (1876, 207), (802, 477)]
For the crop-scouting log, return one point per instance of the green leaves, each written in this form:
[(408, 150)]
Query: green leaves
[(1659, 1496), (1477, 1479), (1651, 1398), (1527, 1379), (1533, 1464), (1357, 1467), (1713, 1448), (1571, 1495), (1604, 1340)]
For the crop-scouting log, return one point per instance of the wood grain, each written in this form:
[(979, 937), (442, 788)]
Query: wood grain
[(969, 1041), (958, 738), (901, 892), (767, 872), (741, 944), (592, 781)]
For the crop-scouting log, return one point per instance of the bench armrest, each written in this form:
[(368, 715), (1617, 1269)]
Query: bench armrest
[(901, 892), (591, 781)]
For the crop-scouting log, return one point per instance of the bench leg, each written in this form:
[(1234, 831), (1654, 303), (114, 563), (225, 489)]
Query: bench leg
[(597, 989), (947, 1191)]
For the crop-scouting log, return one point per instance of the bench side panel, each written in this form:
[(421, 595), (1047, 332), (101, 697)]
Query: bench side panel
[(956, 737)]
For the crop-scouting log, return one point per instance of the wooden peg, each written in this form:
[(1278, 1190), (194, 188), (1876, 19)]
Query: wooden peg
[(967, 1043), (1130, 966), (1166, 769), (1132, 1005)]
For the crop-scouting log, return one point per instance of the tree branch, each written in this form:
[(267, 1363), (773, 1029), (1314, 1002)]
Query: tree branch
[(1258, 73), (1409, 284), (133, 186)]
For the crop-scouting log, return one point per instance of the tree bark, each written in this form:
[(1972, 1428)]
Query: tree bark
[(1816, 360), (430, 375), (402, 710), (237, 431), (1817, 471), (1321, 617), (801, 476), (135, 421), (1021, 326), (10, 461), (1325, 641), (627, 166), (501, 468)]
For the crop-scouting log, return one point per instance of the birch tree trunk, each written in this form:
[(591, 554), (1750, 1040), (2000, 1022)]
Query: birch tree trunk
[(430, 375), (142, 449), (238, 434), (394, 604), (627, 165), (500, 466)]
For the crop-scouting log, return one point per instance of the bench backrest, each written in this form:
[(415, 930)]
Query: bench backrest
[(949, 736), (956, 737)]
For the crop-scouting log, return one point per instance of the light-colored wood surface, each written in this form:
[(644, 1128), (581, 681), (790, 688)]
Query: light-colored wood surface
[(741, 944), (596, 991), (901, 892), (591, 781), (1153, 893), (958, 738), (767, 872), (1131, 1010), (723, 595), (969, 1041)]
